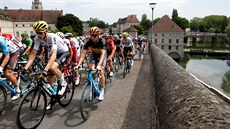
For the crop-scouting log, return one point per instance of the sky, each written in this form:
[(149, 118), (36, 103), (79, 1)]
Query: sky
[(110, 11)]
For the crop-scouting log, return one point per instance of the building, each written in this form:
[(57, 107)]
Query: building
[(132, 31), (124, 23), (169, 37), (18, 21)]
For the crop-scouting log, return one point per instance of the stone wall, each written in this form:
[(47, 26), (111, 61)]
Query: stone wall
[(182, 101)]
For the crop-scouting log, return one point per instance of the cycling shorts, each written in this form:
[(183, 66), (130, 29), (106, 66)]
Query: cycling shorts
[(62, 57)]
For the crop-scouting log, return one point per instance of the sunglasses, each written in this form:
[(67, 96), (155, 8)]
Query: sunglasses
[(94, 35), (39, 32)]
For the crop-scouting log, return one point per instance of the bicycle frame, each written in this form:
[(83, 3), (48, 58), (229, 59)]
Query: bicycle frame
[(92, 82)]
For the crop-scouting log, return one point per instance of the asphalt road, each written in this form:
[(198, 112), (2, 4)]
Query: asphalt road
[(128, 104)]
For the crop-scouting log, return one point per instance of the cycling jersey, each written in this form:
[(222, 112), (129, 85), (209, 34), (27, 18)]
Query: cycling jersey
[(127, 43), (7, 46), (27, 42), (96, 47), (76, 44), (110, 45), (54, 43)]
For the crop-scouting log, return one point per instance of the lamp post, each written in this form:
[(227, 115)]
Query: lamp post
[(152, 5)]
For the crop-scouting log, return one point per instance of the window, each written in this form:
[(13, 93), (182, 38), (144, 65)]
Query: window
[(162, 40), (155, 40), (23, 25), (16, 25), (163, 35), (177, 47), (155, 34), (162, 47), (17, 34), (170, 40), (170, 47), (177, 41)]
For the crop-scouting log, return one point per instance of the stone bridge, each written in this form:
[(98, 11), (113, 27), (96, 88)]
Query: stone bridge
[(182, 101)]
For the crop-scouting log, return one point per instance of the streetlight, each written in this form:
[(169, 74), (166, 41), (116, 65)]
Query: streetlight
[(152, 6)]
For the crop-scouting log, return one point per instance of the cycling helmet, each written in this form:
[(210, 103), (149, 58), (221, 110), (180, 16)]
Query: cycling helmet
[(95, 30), (125, 34), (60, 34), (116, 37), (68, 35), (24, 34), (40, 26)]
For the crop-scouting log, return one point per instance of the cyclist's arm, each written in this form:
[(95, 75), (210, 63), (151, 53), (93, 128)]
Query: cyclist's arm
[(31, 59), (101, 57), (27, 50), (82, 58), (51, 60)]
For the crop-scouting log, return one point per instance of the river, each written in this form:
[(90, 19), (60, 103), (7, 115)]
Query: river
[(210, 71)]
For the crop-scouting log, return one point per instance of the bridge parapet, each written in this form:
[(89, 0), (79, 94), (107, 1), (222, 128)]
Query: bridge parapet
[(182, 101)]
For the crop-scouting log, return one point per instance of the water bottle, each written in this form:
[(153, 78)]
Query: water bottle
[(55, 87), (48, 86)]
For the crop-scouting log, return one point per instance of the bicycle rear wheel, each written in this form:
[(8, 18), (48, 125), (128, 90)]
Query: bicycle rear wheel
[(31, 110), (117, 64), (125, 70), (87, 100), (67, 97), (3, 98)]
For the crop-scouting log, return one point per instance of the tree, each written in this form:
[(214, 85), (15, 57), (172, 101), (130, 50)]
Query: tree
[(227, 30), (174, 14), (96, 22), (145, 24), (72, 21), (180, 21), (195, 23), (139, 28)]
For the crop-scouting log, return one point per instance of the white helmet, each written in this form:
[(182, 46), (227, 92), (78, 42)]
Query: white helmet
[(60, 34)]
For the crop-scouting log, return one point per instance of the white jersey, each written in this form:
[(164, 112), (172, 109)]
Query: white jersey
[(127, 43), (76, 44), (54, 43), (67, 42)]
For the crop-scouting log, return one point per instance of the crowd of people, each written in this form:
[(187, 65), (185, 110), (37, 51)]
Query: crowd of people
[(59, 48)]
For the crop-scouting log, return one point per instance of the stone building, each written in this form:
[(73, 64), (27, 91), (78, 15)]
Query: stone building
[(18, 21), (169, 37), (124, 23)]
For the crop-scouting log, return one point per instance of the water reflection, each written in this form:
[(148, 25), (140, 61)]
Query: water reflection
[(214, 72), (226, 80)]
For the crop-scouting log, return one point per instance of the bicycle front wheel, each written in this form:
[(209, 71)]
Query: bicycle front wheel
[(31, 110), (87, 100), (3, 98), (67, 97)]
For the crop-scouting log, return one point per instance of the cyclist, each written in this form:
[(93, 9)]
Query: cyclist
[(57, 50), (118, 44), (97, 46), (110, 49), (9, 59), (27, 42), (127, 44)]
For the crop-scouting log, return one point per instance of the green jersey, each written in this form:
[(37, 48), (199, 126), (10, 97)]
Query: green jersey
[(27, 42)]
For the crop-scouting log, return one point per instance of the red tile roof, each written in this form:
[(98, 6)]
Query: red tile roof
[(129, 19), (130, 29), (20, 15), (165, 24)]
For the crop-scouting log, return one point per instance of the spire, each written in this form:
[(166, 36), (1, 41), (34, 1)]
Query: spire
[(36, 4)]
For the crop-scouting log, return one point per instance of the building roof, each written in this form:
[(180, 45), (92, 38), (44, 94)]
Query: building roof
[(130, 29), (165, 24), (128, 19), (20, 15)]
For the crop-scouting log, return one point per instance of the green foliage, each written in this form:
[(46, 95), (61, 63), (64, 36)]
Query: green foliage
[(70, 20), (219, 22), (96, 22), (226, 82), (183, 23), (195, 24), (140, 29), (227, 30)]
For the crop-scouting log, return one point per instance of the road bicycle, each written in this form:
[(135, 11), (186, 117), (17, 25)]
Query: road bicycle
[(118, 61), (90, 93), (32, 107), (127, 65), (24, 84)]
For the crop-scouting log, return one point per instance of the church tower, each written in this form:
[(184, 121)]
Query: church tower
[(36, 4)]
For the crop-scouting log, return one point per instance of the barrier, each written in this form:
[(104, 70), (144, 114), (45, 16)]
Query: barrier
[(182, 101)]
